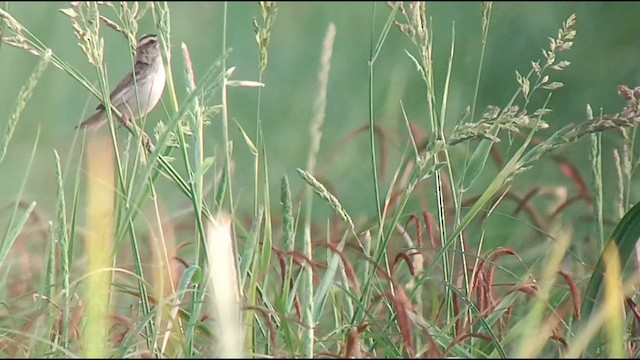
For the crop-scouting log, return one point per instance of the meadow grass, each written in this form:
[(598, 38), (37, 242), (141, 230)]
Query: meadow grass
[(278, 280)]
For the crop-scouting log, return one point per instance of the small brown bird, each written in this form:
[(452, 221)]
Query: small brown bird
[(139, 91)]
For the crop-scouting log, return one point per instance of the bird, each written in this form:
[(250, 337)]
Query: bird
[(140, 90)]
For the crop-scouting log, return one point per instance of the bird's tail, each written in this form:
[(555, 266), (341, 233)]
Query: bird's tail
[(94, 122)]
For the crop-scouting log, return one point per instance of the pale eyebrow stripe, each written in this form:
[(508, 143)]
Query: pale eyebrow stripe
[(146, 39)]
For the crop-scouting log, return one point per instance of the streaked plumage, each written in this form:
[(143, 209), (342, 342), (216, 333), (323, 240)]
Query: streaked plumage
[(149, 80)]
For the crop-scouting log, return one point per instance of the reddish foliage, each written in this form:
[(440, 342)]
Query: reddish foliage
[(634, 308), (572, 174), (493, 259), (434, 350), (351, 274), (432, 228), (497, 155), (525, 200), (407, 260), (267, 319), (565, 205), (418, 223), (462, 337), (381, 144), (402, 304), (353, 349), (575, 293)]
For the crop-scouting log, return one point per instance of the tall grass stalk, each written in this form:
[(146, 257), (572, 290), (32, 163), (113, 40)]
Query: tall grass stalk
[(5, 8), (608, 313), (335, 289), (47, 293), (225, 297), (23, 98), (163, 245), (374, 52), (535, 334), (16, 223), (93, 46), (380, 249), (487, 8), (613, 302), (453, 192), (225, 112), (65, 251), (263, 36), (260, 259), (314, 146), (98, 242), (596, 172)]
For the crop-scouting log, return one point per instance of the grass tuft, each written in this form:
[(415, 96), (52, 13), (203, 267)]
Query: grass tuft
[(456, 246)]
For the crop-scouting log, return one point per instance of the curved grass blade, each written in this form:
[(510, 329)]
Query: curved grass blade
[(624, 236)]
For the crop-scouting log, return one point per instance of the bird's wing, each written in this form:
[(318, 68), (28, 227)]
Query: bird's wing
[(118, 92)]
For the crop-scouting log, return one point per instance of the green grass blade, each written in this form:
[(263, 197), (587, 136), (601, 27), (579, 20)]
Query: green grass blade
[(14, 229), (624, 236), (63, 239), (21, 102), (596, 168)]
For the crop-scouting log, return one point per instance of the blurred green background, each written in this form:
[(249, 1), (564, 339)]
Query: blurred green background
[(606, 53)]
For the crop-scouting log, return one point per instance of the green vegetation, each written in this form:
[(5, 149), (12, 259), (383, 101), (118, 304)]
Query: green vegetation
[(321, 180)]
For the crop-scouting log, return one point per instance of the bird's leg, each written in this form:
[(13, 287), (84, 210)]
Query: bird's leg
[(146, 142), (125, 121)]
